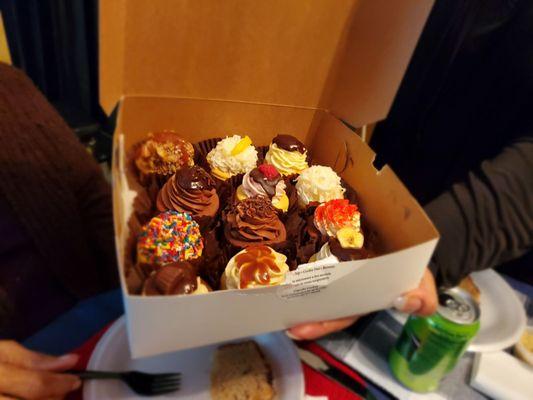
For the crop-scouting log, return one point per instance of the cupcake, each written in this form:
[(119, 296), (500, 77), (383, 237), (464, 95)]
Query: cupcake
[(191, 190), (336, 214), (175, 279), (232, 156), (348, 247), (287, 154), (161, 155), (264, 181), (255, 266), (253, 221), (318, 184), (169, 237)]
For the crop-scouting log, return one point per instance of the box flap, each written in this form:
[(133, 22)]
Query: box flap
[(268, 52), (347, 53), (382, 37)]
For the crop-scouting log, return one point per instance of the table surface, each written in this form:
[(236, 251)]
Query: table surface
[(79, 324)]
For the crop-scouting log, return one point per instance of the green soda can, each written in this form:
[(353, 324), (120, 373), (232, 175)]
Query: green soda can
[(429, 347)]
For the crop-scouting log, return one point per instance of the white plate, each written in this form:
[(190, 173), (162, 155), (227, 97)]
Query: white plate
[(112, 354), (503, 318)]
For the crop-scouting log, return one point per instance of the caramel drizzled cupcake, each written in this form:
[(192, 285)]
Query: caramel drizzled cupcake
[(287, 154), (161, 155), (255, 266), (267, 182), (191, 190), (253, 221), (175, 279)]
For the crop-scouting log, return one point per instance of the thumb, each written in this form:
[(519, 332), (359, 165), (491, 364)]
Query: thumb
[(422, 300), (14, 354)]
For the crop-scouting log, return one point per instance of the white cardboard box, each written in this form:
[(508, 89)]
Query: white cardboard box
[(211, 68)]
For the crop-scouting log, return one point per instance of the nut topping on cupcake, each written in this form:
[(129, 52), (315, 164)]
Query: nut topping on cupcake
[(162, 154)]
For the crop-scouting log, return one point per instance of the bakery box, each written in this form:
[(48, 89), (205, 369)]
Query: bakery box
[(209, 69)]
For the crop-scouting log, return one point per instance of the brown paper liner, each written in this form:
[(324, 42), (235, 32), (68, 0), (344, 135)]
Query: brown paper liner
[(201, 149), (261, 154), (214, 256)]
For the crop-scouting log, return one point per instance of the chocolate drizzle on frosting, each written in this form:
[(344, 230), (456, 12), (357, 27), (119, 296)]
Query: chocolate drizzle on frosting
[(289, 143), (190, 190), (195, 178), (268, 185), (176, 278), (346, 254), (253, 221)]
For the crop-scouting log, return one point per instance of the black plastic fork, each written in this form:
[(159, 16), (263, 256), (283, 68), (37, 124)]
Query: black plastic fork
[(140, 382)]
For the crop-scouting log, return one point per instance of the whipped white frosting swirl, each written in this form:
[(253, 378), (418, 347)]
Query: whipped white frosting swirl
[(318, 183), (221, 159)]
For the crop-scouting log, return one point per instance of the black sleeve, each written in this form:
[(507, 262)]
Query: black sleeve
[(487, 219)]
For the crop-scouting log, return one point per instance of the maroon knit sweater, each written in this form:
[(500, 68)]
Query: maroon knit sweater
[(55, 189)]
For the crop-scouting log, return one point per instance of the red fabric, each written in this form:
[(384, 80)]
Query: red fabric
[(316, 384)]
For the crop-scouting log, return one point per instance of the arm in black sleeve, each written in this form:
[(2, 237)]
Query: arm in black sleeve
[(487, 219)]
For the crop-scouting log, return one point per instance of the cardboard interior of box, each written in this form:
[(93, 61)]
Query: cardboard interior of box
[(209, 69)]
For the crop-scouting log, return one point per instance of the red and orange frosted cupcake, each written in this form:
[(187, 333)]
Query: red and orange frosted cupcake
[(341, 222)]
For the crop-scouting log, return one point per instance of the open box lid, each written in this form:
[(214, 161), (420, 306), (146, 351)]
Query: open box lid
[(346, 56)]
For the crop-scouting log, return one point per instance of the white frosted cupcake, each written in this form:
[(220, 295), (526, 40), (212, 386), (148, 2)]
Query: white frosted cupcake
[(287, 154), (232, 156), (255, 266), (318, 184)]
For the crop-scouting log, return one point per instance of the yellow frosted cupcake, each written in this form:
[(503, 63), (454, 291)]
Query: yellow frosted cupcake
[(287, 154)]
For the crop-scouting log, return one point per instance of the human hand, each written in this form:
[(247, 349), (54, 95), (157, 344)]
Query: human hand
[(28, 375), (420, 301)]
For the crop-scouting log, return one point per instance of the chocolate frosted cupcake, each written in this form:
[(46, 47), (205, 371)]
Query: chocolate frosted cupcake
[(174, 279), (161, 155), (264, 181), (191, 190), (287, 154), (253, 221)]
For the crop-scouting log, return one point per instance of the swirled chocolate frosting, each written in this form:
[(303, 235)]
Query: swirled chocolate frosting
[(191, 190), (253, 221)]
